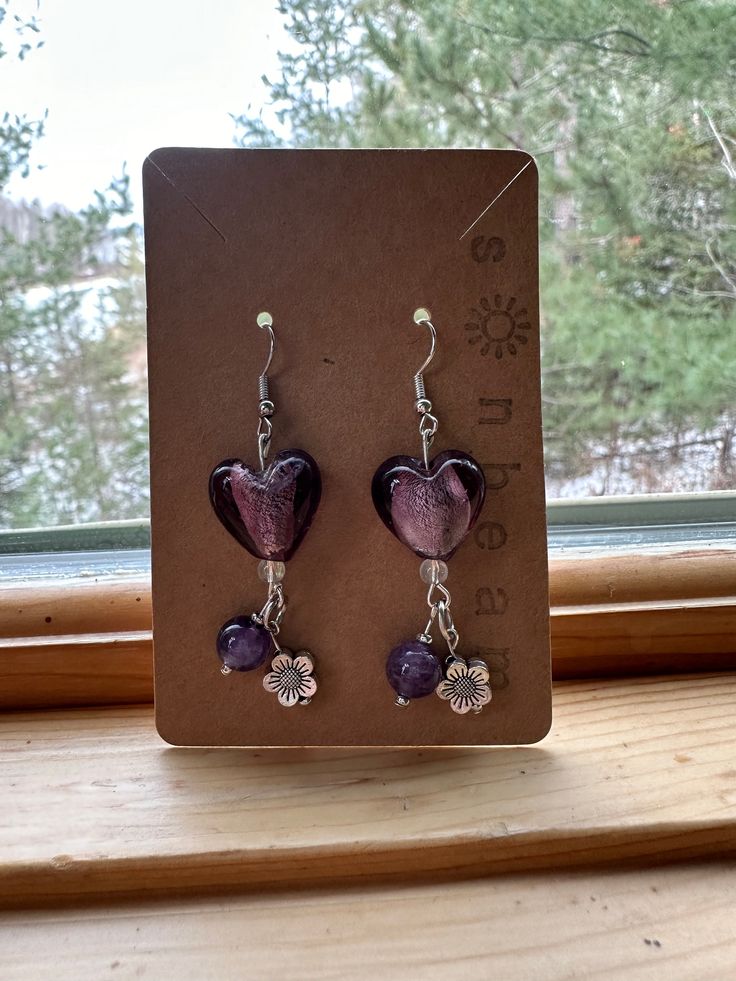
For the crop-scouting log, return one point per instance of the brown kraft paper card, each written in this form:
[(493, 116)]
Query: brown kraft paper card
[(341, 247)]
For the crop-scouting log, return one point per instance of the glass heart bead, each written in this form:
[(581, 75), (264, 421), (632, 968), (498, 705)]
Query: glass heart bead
[(267, 511), (413, 670), (430, 510), (243, 644)]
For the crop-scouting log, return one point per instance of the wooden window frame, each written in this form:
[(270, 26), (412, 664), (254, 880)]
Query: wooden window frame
[(659, 598)]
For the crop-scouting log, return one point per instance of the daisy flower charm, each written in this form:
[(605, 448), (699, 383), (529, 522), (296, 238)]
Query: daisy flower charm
[(466, 686), (291, 678)]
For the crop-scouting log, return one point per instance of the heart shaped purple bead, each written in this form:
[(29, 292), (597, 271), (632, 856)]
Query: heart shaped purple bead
[(268, 511), (430, 511)]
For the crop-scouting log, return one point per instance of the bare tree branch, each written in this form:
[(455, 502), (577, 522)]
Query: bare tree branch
[(727, 158)]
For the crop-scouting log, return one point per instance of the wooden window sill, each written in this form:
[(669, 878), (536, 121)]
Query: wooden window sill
[(95, 807), (674, 922)]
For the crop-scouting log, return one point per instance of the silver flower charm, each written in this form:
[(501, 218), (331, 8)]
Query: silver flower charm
[(466, 686), (291, 678)]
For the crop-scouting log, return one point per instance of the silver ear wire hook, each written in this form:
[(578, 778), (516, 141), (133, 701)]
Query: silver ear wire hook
[(427, 423), (422, 316), (265, 322), (266, 408)]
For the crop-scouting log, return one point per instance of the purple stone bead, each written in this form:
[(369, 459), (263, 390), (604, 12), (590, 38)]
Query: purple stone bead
[(268, 511), (242, 644), (413, 669), (431, 511)]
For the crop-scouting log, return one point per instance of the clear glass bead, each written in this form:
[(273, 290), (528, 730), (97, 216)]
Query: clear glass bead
[(433, 570), (271, 571)]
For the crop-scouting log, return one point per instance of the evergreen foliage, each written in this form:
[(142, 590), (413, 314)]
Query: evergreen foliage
[(73, 427), (628, 108)]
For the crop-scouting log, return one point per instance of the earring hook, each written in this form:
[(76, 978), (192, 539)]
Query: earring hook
[(265, 322), (266, 408), (423, 316), (427, 422)]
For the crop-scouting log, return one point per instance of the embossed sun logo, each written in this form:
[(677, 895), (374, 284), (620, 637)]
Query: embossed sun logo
[(498, 326)]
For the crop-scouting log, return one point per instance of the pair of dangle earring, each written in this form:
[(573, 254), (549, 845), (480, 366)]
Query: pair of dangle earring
[(268, 511), (431, 506)]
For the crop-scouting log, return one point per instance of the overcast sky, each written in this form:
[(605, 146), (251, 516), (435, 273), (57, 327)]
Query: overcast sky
[(120, 79)]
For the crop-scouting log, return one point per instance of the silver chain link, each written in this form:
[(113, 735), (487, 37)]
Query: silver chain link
[(439, 610), (273, 610)]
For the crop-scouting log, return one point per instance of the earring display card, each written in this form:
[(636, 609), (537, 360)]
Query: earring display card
[(341, 247)]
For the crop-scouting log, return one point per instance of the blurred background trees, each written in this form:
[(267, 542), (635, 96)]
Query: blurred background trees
[(73, 425), (629, 110)]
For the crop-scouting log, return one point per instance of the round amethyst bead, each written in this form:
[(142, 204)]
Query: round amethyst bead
[(243, 644), (413, 669)]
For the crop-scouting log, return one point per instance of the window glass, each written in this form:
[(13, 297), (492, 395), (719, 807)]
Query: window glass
[(627, 107)]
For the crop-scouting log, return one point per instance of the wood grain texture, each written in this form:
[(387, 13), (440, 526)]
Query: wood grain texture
[(645, 638), (643, 613), (82, 669), (94, 804), (90, 643), (640, 925), (639, 577), (79, 643), (50, 608)]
